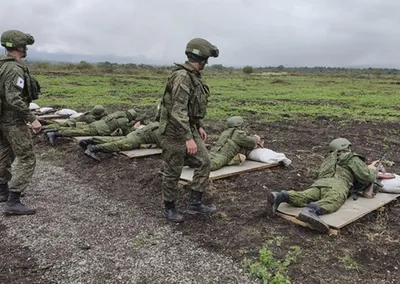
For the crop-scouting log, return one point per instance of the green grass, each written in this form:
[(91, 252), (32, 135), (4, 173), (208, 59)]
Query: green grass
[(267, 98)]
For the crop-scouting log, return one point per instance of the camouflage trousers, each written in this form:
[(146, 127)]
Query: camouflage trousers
[(16, 143), (175, 156), (218, 161), (115, 144), (86, 130), (330, 199)]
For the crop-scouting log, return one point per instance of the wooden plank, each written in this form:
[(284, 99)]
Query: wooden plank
[(349, 212), (49, 116), (303, 224), (136, 153), (227, 171), (79, 138)]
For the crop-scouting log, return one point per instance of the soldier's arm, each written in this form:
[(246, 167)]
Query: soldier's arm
[(179, 112), (13, 86), (245, 141), (361, 171)]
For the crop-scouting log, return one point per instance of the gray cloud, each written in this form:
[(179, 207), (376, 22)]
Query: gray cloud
[(253, 32)]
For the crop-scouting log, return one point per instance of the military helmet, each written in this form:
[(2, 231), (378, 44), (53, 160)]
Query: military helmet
[(98, 110), (202, 48), (132, 114), (15, 38), (235, 121), (339, 144)]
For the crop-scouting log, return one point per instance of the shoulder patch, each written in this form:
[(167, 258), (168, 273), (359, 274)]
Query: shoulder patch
[(20, 82)]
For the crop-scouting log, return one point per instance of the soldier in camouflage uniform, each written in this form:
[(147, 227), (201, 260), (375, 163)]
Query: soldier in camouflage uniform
[(148, 134), (117, 124), (182, 109), (233, 142), (17, 89), (337, 174), (88, 117)]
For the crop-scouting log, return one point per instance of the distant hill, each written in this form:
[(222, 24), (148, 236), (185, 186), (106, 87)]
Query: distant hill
[(76, 58)]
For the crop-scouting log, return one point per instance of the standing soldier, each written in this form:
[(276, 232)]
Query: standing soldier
[(17, 90), (182, 109)]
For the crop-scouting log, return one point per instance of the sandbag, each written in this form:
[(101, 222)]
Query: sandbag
[(44, 110), (66, 112), (391, 185), (75, 115), (33, 106), (268, 156)]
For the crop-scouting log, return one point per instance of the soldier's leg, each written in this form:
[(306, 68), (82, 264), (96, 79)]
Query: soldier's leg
[(83, 131), (304, 197), (6, 159), (173, 155), (118, 145), (332, 199), (202, 166), (20, 140), (106, 139)]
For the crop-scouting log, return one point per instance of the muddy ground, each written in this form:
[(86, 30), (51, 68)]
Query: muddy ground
[(366, 251)]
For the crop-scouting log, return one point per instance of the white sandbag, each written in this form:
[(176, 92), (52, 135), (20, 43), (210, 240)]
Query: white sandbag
[(44, 110), (391, 185), (75, 115), (33, 106), (268, 156), (66, 112)]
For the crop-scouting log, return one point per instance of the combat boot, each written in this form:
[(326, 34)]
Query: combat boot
[(91, 152), (52, 136), (237, 160), (274, 199), (85, 142), (15, 207), (4, 192), (171, 213), (310, 216), (196, 206)]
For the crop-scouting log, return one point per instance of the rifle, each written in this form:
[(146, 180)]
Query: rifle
[(369, 192)]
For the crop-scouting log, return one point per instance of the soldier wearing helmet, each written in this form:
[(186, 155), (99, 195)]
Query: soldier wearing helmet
[(118, 123), (339, 171), (233, 145), (17, 89), (182, 109)]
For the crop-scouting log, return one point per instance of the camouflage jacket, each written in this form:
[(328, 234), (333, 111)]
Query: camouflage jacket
[(184, 103), (343, 169), (150, 134), (112, 122), (15, 83), (231, 142)]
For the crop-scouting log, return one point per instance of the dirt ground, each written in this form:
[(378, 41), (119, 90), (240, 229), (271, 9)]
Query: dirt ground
[(366, 251)]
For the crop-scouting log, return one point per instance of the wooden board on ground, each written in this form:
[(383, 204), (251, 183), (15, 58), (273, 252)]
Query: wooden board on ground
[(349, 212), (79, 138), (227, 171), (50, 116), (136, 153)]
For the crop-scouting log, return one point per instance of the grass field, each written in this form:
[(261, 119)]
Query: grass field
[(269, 98), (298, 114)]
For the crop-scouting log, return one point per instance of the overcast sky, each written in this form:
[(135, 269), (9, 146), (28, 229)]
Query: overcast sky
[(247, 32)]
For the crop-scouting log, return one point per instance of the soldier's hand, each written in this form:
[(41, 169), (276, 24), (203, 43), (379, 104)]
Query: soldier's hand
[(203, 134), (372, 165), (191, 147), (36, 126)]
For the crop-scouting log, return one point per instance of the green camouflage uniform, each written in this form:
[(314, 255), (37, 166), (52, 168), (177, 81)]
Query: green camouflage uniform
[(149, 134), (16, 92), (182, 109), (103, 127), (336, 177), (231, 142), (82, 120)]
